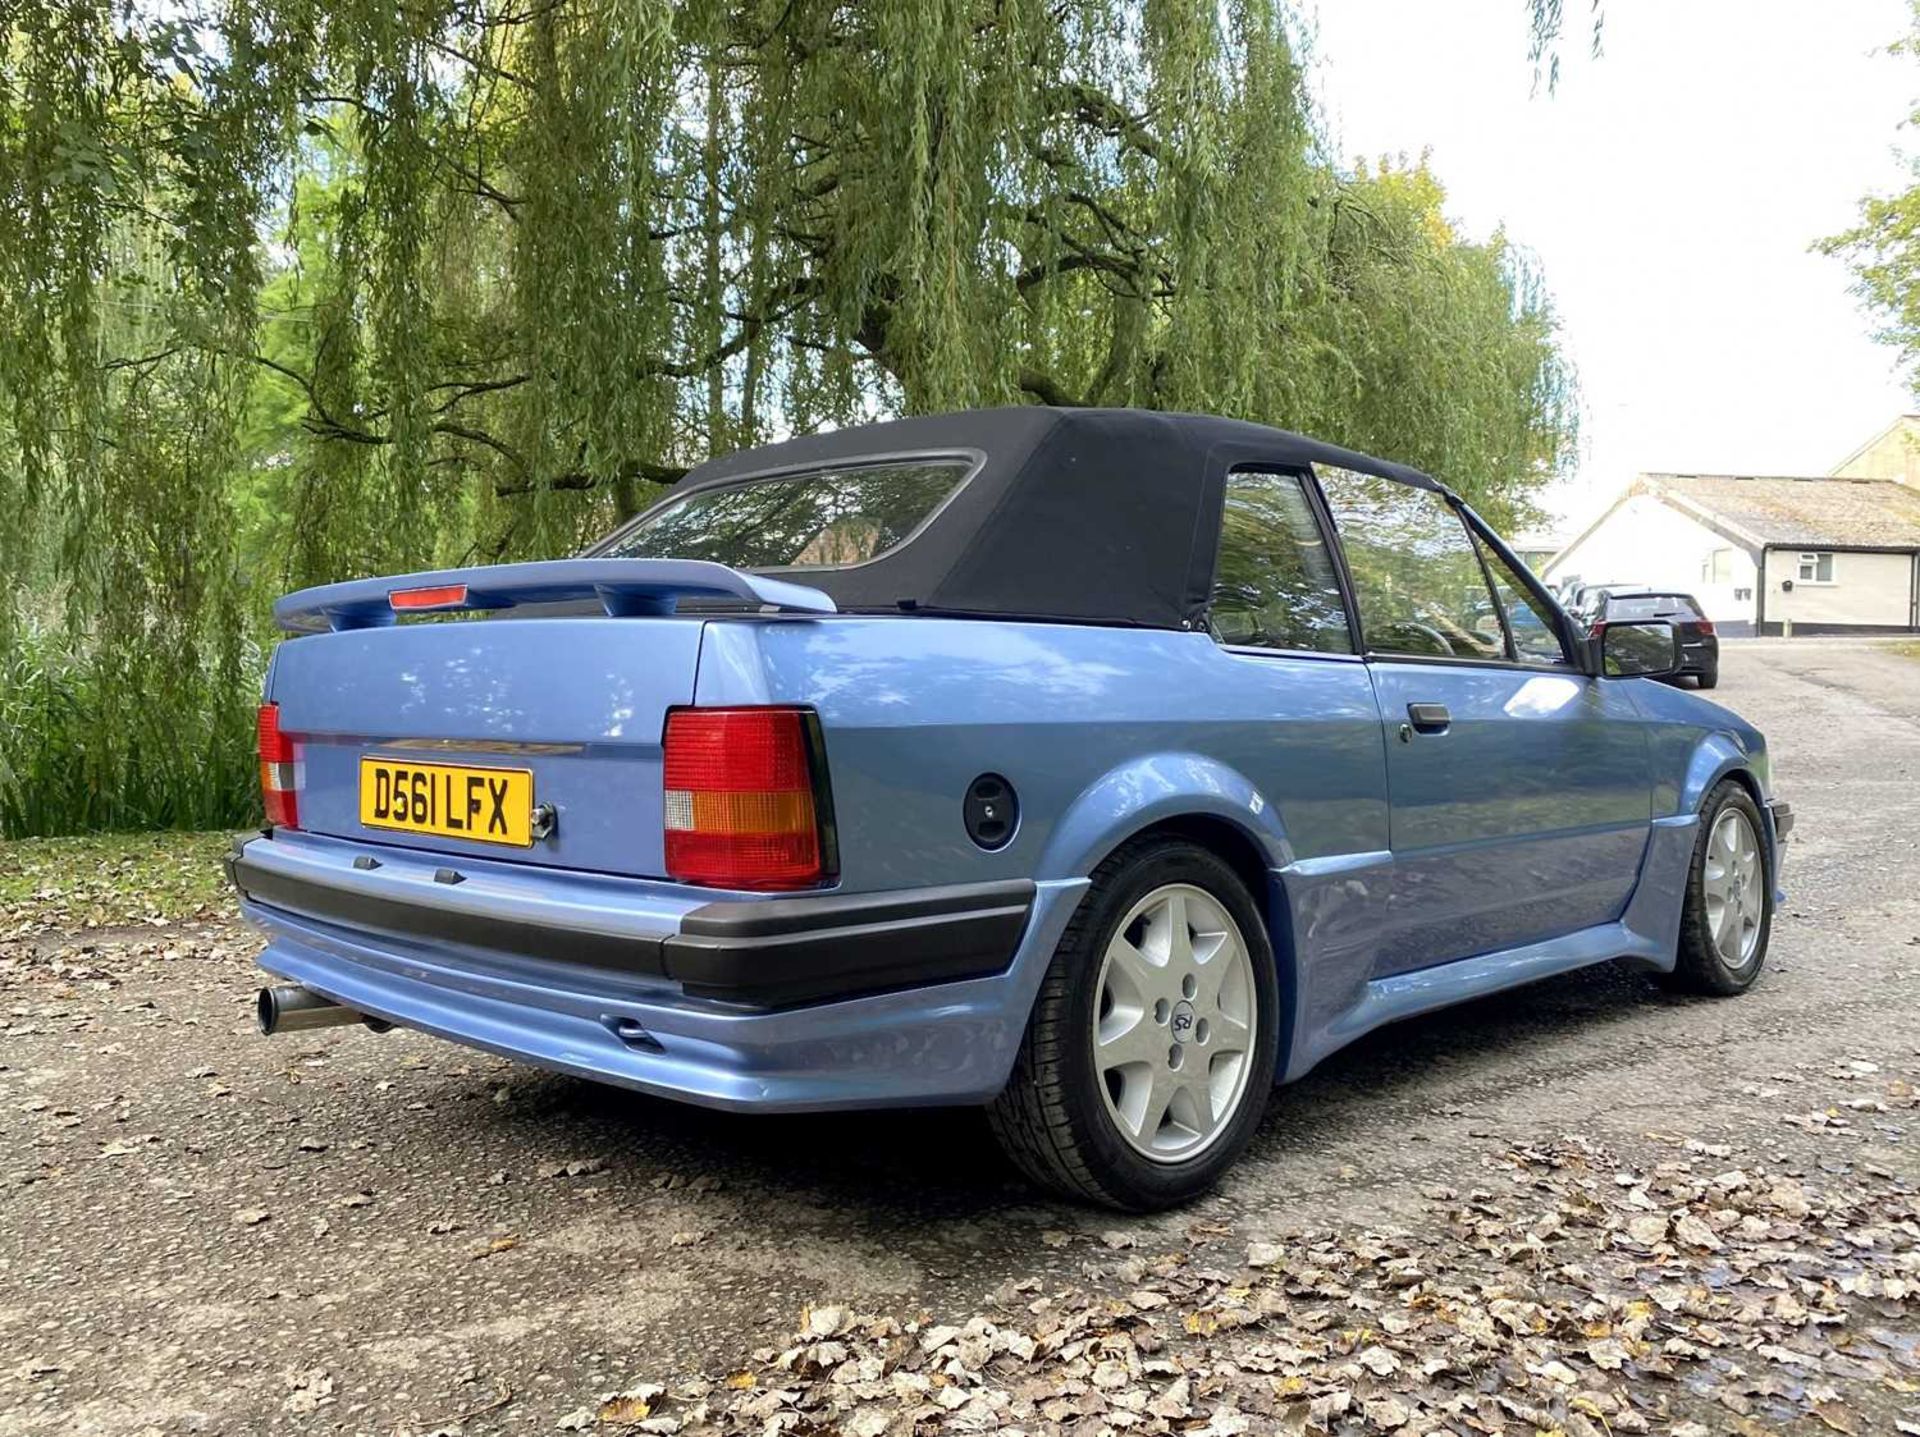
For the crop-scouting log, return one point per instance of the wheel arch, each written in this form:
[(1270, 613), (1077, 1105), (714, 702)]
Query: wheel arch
[(1205, 802), (1742, 773), (1743, 776), (1220, 836), (1716, 757), (1176, 788)]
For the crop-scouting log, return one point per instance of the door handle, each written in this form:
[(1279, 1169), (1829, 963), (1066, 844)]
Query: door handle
[(1429, 718)]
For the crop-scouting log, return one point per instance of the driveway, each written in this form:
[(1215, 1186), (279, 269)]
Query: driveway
[(204, 1231)]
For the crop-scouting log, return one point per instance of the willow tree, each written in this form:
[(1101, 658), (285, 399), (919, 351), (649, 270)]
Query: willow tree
[(293, 291), (1883, 248)]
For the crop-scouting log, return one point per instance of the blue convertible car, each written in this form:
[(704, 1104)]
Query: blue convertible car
[(1100, 767)]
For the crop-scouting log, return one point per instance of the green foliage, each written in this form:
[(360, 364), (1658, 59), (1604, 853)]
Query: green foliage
[(292, 292), (81, 749), (1883, 249)]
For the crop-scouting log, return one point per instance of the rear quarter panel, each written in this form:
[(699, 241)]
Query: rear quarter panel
[(1100, 731)]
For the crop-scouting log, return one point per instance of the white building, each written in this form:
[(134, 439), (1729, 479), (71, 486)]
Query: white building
[(1893, 453), (1536, 547), (1834, 554)]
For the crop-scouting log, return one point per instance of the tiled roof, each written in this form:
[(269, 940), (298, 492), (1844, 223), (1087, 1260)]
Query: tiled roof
[(1870, 513)]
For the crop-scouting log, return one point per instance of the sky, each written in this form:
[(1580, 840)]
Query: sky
[(1670, 189)]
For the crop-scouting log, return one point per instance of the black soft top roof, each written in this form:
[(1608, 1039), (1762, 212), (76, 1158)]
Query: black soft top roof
[(1096, 515)]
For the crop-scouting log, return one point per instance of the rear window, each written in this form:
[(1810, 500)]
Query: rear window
[(821, 519), (1653, 606)]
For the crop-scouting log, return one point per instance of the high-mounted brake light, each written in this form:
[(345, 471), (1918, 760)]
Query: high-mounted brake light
[(438, 596), (742, 807), (279, 771)]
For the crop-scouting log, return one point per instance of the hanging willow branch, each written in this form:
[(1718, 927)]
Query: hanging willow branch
[(291, 292)]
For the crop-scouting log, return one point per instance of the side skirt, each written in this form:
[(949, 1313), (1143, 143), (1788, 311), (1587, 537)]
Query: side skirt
[(1334, 1010), (1405, 995)]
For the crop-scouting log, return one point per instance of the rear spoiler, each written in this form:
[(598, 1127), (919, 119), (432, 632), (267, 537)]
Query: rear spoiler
[(624, 587)]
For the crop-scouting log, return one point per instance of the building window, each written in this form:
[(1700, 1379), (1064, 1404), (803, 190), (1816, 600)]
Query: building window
[(1718, 568), (1816, 568)]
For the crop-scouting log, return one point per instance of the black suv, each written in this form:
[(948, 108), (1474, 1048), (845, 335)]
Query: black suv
[(1699, 645)]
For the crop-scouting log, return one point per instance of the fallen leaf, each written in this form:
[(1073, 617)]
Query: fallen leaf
[(1387, 1413), (1648, 1230), (1695, 1233), (824, 1321), (1607, 1355), (1379, 1361), (634, 1405)]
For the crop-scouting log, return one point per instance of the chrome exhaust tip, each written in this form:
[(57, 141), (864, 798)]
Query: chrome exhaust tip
[(287, 1007)]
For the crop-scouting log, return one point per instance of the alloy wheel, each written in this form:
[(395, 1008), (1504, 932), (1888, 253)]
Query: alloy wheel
[(1174, 1023), (1733, 880)]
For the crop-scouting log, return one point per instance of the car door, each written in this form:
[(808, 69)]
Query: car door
[(1518, 786)]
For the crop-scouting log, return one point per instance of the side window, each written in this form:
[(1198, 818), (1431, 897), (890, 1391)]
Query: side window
[(1416, 575), (1535, 639), (1273, 584)]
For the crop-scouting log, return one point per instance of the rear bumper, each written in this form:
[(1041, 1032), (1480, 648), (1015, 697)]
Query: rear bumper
[(783, 1003), (761, 953), (1700, 658)]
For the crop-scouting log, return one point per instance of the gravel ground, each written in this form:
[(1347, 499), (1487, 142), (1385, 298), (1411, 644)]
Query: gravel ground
[(204, 1231)]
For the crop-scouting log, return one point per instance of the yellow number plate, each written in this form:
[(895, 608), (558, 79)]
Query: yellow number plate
[(486, 805)]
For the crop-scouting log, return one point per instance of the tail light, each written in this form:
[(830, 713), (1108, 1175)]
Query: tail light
[(1703, 626), (279, 771), (746, 799)]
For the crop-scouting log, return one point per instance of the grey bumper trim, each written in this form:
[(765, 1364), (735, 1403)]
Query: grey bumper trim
[(761, 953)]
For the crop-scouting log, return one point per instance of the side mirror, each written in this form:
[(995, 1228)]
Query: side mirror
[(1642, 648)]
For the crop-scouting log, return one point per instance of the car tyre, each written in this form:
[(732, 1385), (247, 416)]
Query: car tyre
[(1727, 920), (1708, 679), (1072, 1117)]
